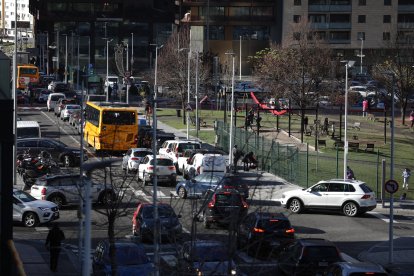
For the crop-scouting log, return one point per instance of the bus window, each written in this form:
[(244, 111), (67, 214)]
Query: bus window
[(118, 118)]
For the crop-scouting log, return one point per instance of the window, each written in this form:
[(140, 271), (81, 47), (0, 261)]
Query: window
[(387, 2), (297, 3), (251, 32), (361, 18), (296, 18), (386, 36), (215, 32), (361, 35), (387, 18), (362, 2)]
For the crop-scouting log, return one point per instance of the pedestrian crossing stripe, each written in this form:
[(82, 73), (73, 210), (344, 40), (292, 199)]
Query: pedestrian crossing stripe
[(42, 229)]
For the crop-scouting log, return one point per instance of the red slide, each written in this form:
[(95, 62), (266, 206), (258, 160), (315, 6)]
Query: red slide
[(264, 106)]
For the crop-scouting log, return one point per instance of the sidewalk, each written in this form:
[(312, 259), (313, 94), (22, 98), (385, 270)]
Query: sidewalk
[(35, 259)]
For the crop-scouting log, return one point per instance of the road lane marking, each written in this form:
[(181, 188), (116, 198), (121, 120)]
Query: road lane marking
[(382, 217)]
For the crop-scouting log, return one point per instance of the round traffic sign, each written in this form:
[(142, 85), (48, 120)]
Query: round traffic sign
[(391, 186)]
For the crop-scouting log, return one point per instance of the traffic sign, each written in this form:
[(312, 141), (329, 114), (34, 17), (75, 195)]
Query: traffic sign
[(391, 186)]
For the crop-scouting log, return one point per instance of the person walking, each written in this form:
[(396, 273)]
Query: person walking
[(53, 244), (364, 107), (236, 156), (406, 176), (349, 173), (412, 119)]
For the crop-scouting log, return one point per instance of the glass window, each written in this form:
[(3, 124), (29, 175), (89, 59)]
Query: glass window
[(387, 18), (386, 36), (296, 18), (387, 2), (27, 144), (323, 187), (215, 32), (362, 2), (214, 11), (118, 117), (251, 32), (337, 187), (239, 11), (296, 36), (23, 196), (262, 11), (361, 18)]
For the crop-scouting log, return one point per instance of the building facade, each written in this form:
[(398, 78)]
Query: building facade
[(24, 21)]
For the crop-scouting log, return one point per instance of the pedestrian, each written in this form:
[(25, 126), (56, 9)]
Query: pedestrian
[(306, 122), (53, 244), (247, 160), (349, 173), (258, 120), (412, 119), (236, 156), (364, 107), (406, 177)]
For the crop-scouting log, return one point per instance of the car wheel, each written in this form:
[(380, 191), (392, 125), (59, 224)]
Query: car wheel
[(295, 205), (30, 219), (57, 199), (67, 161), (182, 192), (350, 209), (206, 223)]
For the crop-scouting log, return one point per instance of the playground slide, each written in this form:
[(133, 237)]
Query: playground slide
[(265, 107)]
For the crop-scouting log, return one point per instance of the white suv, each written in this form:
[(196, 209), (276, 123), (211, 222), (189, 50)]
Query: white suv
[(178, 148), (352, 197)]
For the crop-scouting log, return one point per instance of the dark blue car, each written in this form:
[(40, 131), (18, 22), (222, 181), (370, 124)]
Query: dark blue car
[(130, 258)]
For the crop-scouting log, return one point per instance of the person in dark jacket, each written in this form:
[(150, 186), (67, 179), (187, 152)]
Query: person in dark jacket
[(53, 243)]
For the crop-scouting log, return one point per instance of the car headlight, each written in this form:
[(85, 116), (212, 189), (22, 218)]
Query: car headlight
[(44, 208), (233, 272)]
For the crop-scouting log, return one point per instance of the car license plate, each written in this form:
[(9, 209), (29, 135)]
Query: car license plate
[(323, 264)]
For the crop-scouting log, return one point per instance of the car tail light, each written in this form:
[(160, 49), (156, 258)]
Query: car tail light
[(150, 168), (136, 138), (134, 158), (290, 231), (245, 205), (171, 168), (198, 169), (43, 193), (365, 197), (258, 230), (212, 202)]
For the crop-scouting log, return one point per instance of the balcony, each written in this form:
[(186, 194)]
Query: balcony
[(406, 25), (405, 8), (339, 41), (333, 25), (330, 8)]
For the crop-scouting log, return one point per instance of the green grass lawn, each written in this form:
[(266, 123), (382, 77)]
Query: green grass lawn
[(324, 164)]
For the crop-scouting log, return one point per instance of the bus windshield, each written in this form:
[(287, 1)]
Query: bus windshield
[(28, 71), (118, 118)]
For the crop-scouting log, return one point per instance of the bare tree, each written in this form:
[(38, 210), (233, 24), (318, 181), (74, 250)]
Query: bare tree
[(294, 70), (396, 71)]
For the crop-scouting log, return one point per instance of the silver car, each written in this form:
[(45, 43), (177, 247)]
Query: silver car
[(133, 157), (32, 211)]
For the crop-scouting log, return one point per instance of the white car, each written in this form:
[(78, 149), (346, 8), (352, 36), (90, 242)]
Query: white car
[(52, 100), (68, 110), (352, 197), (179, 147), (166, 147), (165, 170), (133, 157), (31, 211), (203, 163)]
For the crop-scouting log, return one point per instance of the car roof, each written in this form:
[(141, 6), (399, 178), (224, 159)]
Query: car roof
[(269, 215), (315, 242), (349, 181), (140, 149), (27, 124), (206, 242)]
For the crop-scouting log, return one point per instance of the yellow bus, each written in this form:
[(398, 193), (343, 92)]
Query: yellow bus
[(27, 73), (110, 126)]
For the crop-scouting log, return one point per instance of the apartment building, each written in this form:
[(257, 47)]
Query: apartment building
[(8, 17)]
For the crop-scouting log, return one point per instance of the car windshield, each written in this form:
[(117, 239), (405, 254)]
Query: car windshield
[(141, 153), (365, 188), (317, 253), (58, 143), (210, 253), (163, 212), (23, 196), (186, 146), (163, 162), (27, 132), (273, 224), (72, 107), (130, 255)]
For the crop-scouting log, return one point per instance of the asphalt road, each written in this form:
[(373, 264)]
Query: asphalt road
[(351, 235)]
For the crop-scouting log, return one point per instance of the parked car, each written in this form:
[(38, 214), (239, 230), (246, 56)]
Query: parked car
[(199, 185), (67, 110), (352, 197), (165, 170), (133, 157), (204, 163), (20, 97), (357, 268), (60, 105), (188, 157), (233, 181), (205, 257), (41, 94), (224, 206), (28, 129), (178, 148), (307, 257), (31, 211), (130, 258), (264, 232), (60, 152), (143, 222), (66, 189), (52, 100), (166, 147), (74, 116), (58, 86)]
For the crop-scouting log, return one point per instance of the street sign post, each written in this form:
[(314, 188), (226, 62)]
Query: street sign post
[(391, 186)]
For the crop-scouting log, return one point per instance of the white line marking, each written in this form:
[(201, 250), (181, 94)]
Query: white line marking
[(42, 229), (381, 217)]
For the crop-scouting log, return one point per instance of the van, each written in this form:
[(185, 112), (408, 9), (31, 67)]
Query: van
[(203, 163), (28, 129), (52, 100)]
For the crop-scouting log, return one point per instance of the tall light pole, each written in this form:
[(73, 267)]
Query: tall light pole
[(348, 64), (155, 186), (360, 54), (107, 69), (57, 54), (240, 58), (127, 78), (66, 58), (132, 52), (196, 95), (188, 89), (231, 111)]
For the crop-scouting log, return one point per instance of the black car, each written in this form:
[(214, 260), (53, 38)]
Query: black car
[(307, 257), (224, 206), (263, 232), (60, 152), (232, 181)]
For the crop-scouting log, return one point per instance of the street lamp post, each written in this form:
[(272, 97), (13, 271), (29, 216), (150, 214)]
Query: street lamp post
[(132, 52), (155, 186), (348, 64), (361, 55), (107, 69), (196, 96), (240, 58), (66, 58), (231, 112), (188, 89), (127, 78)]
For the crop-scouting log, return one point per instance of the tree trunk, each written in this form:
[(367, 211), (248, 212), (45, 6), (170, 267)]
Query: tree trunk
[(302, 117), (111, 237), (403, 110)]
